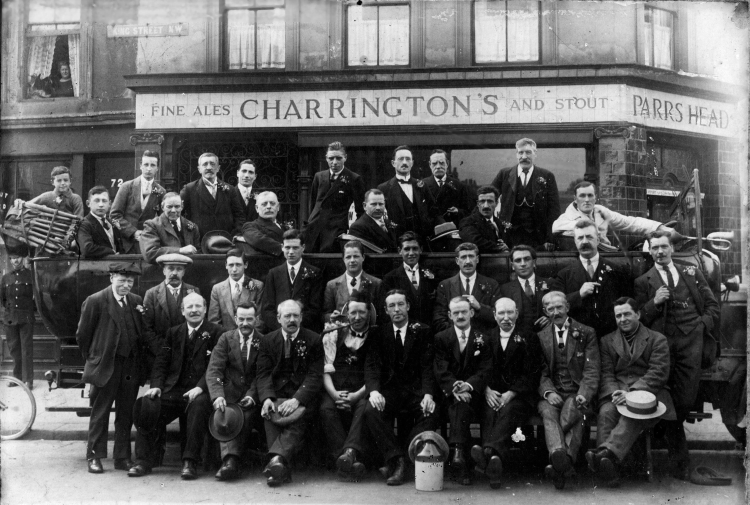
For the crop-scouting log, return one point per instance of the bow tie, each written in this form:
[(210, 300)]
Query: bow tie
[(402, 181)]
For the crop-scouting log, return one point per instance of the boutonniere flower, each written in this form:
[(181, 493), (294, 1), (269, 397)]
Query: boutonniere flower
[(307, 273), (254, 195), (140, 308), (250, 284), (58, 200), (188, 291), (575, 333), (689, 271), (208, 352), (224, 187), (542, 181), (350, 359), (484, 288), (420, 184), (428, 274), (300, 347), (506, 225), (451, 185), (287, 225), (343, 179), (607, 268), (544, 287), (190, 226), (391, 225), (518, 436), (415, 326), (518, 339), (255, 344), (113, 222), (158, 191), (205, 335)]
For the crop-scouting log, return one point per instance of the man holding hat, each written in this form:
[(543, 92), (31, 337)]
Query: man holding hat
[(634, 359), (112, 341), (169, 232), (232, 385), (17, 297), (178, 388)]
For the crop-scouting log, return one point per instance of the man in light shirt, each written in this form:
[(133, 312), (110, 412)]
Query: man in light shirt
[(61, 197)]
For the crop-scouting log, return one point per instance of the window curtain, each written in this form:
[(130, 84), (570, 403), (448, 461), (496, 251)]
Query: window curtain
[(662, 26), (271, 39), (523, 31), (362, 36), (41, 53), (74, 41), (493, 20), (241, 29), (393, 34), (489, 32)]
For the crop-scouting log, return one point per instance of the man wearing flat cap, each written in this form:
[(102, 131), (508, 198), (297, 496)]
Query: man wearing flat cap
[(169, 232), (113, 344)]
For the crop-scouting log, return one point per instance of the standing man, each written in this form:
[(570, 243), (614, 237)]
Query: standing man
[(527, 289), (400, 383), (373, 227), (113, 344), (232, 378), (530, 201), (61, 197), (17, 300), (333, 192), (482, 228), (137, 201), (295, 279), (339, 290), (265, 234), (98, 235), (591, 283), (678, 302), (178, 389), (210, 203), (407, 201), (453, 200), (290, 374), (480, 291), (463, 362), (569, 382), (246, 175), (236, 290), (169, 232)]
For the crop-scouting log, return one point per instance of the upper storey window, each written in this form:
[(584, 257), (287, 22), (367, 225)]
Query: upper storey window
[(255, 37), (506, 31), (378, 35), (658, 38)]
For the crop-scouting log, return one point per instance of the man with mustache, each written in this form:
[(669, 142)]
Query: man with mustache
[(570, 378), (678, 303), (238, 288), (290, 375), (265, 234), (373, 227), (169, 233), (338, 290), (453, 200), (482, 228), (178, 389), (527, 289)]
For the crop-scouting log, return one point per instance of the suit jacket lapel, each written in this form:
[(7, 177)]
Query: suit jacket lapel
[(198, 342), (161, 296), (225, 295), (469, 350), (235, 354), (512, 181), (619, 346), (112, 307), (641, 340), (167, 226), (548, 341), (297, 284), (456, 344), (205, 194), (398, 194), (697, 298), (343, 289), (135, 193), (408, 342)]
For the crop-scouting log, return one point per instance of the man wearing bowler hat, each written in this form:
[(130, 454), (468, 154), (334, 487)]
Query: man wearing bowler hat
[(231, 380), (112, 341), (178, 386), (169, 232), (633, 359)]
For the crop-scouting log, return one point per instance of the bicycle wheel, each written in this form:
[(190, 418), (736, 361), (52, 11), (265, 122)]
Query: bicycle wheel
[(17, 408)]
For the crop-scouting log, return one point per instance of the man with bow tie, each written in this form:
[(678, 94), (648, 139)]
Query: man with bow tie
[(232, 378), (482, 228), (527, 289), (338, 290), (98, 235), (290, 375), (238, 288), (265, 234), (169, 232), (463, 362), (373, 227), (510, 394), (137, 201), (178, 389), (246, 175), (453, 200), (570, 379)]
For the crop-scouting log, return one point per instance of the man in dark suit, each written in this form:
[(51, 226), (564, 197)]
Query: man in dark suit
[(137, 201), (178, 386), (264, 234), (339, 289), (17, 302), (407, 201), (419, 284), (238, 288), (373, 227), (290, 368), (510, 394), (678, 303), (453, 200), (98, 235), (232, 378), (113, 344), (210, 203), (332, 194), (480, 291), (169, 232), (400, 383), (527, 289), (295, 279), (482, 228), (569, 382), (591, 283), (530, 201), (463, 362), (246, 175)]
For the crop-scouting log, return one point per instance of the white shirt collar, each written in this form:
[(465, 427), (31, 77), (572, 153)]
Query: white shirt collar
[(402, 330), (458, 331), (472, 279), (117, 297), (404, 178), (293, 335), (670, 266), (594, 260), (166, 283), (177, 221), (520, 172), (207, 183), (240, 336), (245, 192), (145, 183), (349, 278), (193, 328), (296, 266), (232, 282), (443, 179), (532, 281), (507, 334), (409, 269)]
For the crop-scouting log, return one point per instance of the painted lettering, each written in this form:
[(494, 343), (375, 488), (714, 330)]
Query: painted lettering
[(489, 100), (374, 109), (292, 110), (266, 108), (385, 106), (415, 104), (465, 107), (432, 100), (242, 109), (308, 107), (337, 104)]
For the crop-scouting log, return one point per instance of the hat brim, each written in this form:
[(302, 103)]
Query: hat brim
[(236, 429), (280, 420), (660, 410), (451, 233), (146, 419), (433, 436)]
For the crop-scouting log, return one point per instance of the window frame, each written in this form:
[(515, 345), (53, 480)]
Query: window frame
[(505, 63), (225, 38), (641, 28), (378, 5)]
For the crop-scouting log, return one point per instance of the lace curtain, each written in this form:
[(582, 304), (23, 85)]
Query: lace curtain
[(74, 42), (271, 51), (496, 21), (378, 35), (662, 26), (41, 53)]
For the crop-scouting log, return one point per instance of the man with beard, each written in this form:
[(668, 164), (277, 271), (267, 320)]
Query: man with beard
[(232, 378), (290, 374), (265, 234), (178, 389), (453, 200), (169, 232), (237, 289), (246, 175), (372, 227), (482, 228), (527, 289), (98, 235), (339, 289), (570, 378)]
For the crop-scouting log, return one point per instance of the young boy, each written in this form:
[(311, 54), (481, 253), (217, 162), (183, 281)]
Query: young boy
[(61, 198), (98, 235)]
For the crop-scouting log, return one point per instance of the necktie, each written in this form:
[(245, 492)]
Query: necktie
[(468, 287), (177, 232), (175, 293), (354, 282), (211, 189), (494, 227), (121, 302), (383, 227), (399, 347), (287, 346), (243, 350), (670, 279), (414, 279), (402, 181), (528, 290), (236, 294), (440, 183), (590, 268), (462, 341), (525, 176), (191, 334), (560, 342), (292, 275), (105, 224)]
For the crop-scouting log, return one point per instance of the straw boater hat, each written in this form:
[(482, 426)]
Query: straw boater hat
[(174, 259), (641, 405), (225, 426)]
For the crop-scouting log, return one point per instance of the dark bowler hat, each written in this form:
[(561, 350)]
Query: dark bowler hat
[(216, 242), (280, 420), (146, 413), (124, 268), (225, 426)]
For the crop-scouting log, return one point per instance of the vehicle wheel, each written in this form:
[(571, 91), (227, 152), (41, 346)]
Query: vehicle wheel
[(17, 408)]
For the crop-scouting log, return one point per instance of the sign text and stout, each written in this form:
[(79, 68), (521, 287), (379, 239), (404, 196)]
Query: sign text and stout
[(171, 30), (435, 106)]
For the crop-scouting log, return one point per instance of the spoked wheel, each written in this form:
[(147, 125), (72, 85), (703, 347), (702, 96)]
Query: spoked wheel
[(17, 408)]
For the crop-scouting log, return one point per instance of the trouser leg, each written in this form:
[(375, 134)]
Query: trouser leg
[(124, 401), (13, 338), (236, 446), (380, 425), (625, 433), (196, 423), (553, 433), (571, 421), (355, 439), (332, 420), (499, 426)]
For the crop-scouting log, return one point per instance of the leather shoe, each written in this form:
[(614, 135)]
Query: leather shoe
[(457, 461), (277, 471), (494, 471), (558, 479), (346, 461), (188, 470), (229, 470), (560, 461), (607, 463), (399, 473), (386, 470), (591, 460), (276, 482), (358, 470), (138, 471), (124, 464), (95, 466), (478, 456)]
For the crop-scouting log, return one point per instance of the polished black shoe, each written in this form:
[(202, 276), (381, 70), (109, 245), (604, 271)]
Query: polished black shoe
[(358, 470), (557, 478), (560, 461), (399, 473), (478, 456), (386, 470), (124, 464), (95, 466), (277, 471), (138, 471), (591, 460), (12, 384), (229, 470), (346, 461), (608, 464), (494, 471), (188, 470), (456, 461)]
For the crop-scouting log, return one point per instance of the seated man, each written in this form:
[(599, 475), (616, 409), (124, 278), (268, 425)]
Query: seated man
[(236, 290), (169, 232), (527, 289), (339, 289), (463, 362), (61, 197), (231, 378), (373, 227), (453, 200), (481, 291), (570, 378), (290, 374), (633, 358), (98, 235), (264, 234), (482, 228), (510, 394)]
